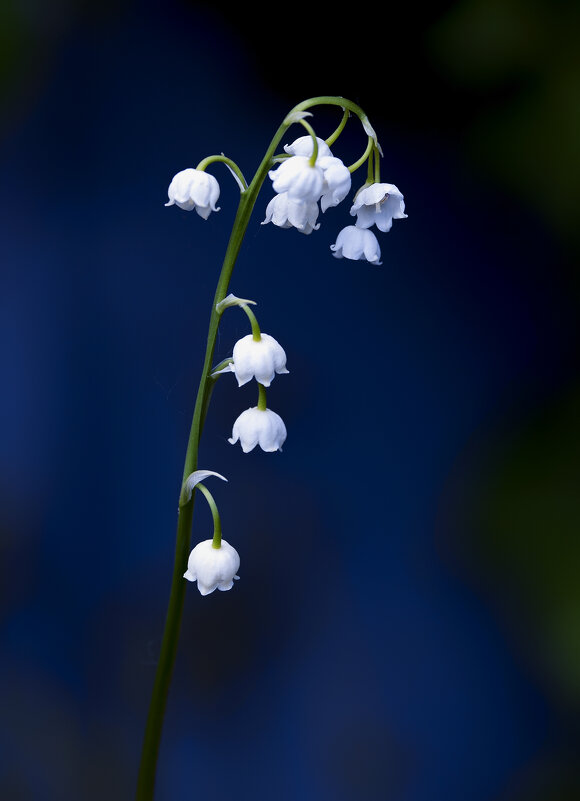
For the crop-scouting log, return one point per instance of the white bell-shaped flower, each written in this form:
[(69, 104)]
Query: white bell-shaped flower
[(378, 204), (357, 243), (287, 213), (194, 189), (303, 146), (303, 182), (213, 568), (260, 359), (259, 427), (337, 181)]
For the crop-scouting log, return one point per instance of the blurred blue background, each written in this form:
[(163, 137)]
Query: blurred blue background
[(407, 623)]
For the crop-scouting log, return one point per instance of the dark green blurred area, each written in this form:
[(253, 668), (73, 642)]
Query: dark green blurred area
[(524, 507), (520, 63), (516, 521), (515, 71), (531, 512)]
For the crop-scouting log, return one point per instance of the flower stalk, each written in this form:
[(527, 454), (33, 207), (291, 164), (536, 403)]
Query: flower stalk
[(256, 333), (262, 405), (217, 525), (193, 190)]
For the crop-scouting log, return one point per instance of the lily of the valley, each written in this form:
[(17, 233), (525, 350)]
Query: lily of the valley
[(303, 146), (302, 181), (261, 359), (261, 427), (194, 189), (286, 213), (337, 181), (213, 568), (357, 243), (378, 204)]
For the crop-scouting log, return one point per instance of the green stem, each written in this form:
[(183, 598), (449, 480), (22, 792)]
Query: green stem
[(168, 651), (334, 136), (262, 397), (330, 100), (204, 163), (370, 175), (369, 149), (256, 333), (217, 525), (153, 728), (310, 130)]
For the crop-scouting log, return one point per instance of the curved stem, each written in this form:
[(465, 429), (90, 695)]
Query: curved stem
[(310, 130), (168, 651), (330, 100), (377, 167), (256, 333), (347, 106), (370, 174), (334, 136), (217, 525), (238, 174), (369, 149)]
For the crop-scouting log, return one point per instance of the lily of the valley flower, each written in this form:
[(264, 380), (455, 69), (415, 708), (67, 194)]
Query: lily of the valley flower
[(261, 427), (213, 568), (260, 359), (378, 204), (303, 146), (357, 243), (303, 182), (337, 181), (194, 189), (286, 213)]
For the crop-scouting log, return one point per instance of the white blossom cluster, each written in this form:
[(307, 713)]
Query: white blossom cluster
[(304, 184), (300, 185)]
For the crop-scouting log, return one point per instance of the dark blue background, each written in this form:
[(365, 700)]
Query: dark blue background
[(406, 622)]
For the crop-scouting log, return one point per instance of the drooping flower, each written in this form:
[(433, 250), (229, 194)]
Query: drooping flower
[(194, 189), (287, 213), (378, 204), (260, 359), (261, 427), (303, 182), (337, 181), (213, 568), (357, 243), (303, 146)]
